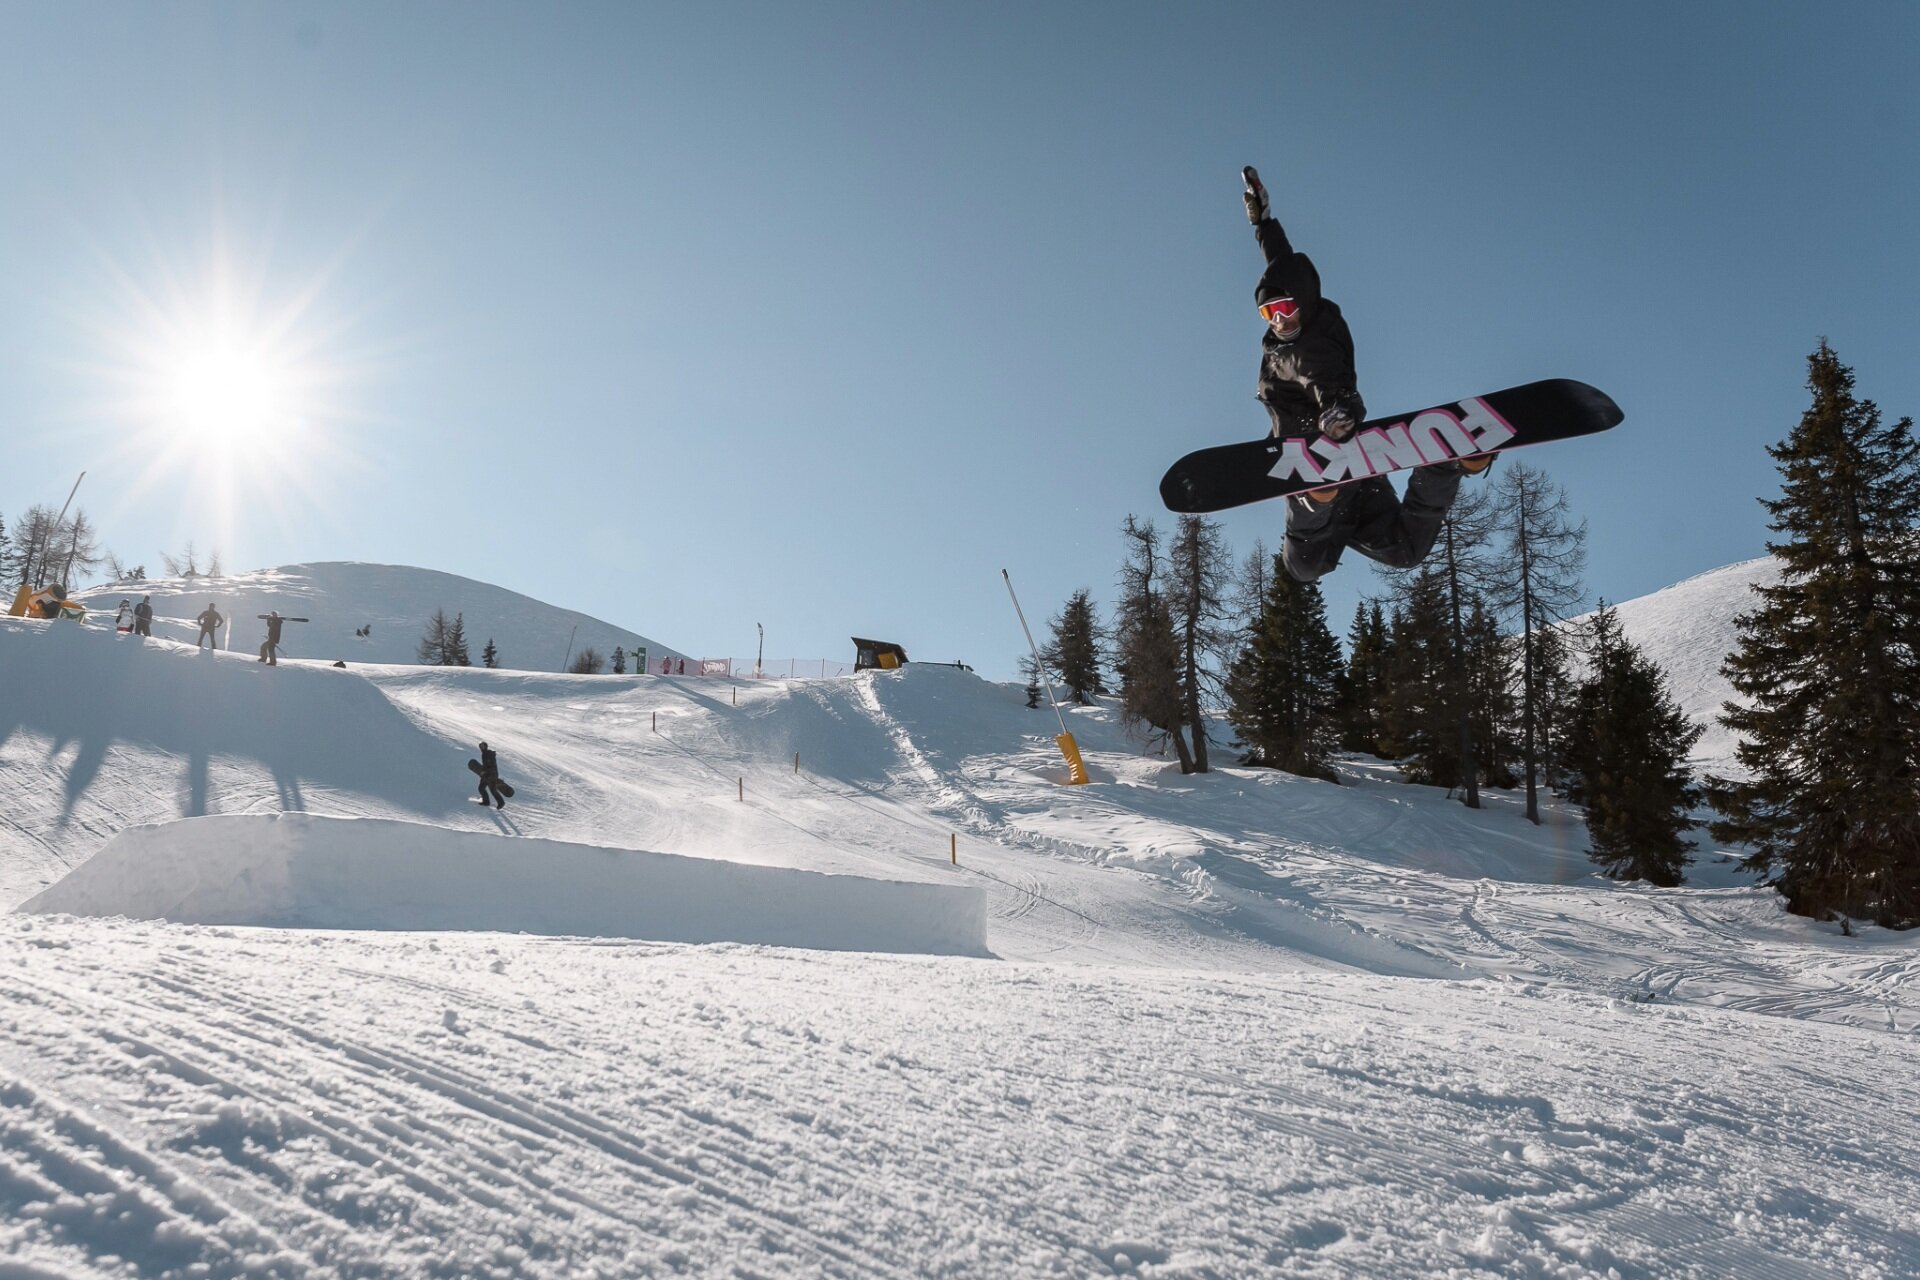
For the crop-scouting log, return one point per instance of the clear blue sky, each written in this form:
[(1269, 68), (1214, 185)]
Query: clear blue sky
[(820, 315)]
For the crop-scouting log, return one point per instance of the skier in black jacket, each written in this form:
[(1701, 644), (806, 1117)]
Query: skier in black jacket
[(1310, 389)]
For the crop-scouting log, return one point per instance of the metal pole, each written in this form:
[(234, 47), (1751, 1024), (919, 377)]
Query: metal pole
[(1046, 681), (758, 657), (570, 635)]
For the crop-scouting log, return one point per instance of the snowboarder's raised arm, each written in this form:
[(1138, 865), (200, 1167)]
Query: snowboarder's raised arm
[(1266, 229)]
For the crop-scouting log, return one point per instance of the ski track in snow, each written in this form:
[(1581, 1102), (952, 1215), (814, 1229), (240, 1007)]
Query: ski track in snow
[(1238, 1024)]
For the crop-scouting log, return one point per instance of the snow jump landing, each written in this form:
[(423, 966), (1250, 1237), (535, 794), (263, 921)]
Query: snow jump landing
[(304, 871)]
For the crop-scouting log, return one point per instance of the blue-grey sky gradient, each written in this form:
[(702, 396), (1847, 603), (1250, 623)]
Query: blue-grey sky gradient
[(820, 315)]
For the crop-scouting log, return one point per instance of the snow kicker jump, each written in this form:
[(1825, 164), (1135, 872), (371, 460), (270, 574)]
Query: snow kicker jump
[(1233, 475)]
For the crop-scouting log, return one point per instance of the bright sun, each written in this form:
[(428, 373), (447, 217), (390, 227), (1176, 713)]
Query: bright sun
[(223, 394)]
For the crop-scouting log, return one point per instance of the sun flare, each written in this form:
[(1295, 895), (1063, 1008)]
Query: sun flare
[(225, 394)]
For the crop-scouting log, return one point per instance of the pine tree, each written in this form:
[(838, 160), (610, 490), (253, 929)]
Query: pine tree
[(489, 656), (6, 554), (1147, 648), (1419, 714), (1545, 557), (456, 655), (1467, 568), (1487, 660), (1627, 744), (1553, 651), (1829, 665), (1073, 649), (1031, 672), (619, 660), (432, 649), (1281, 691), (1200, 575), (1366, 681)]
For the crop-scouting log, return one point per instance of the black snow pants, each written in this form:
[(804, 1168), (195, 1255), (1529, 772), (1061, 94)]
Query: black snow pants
[(1368, 517)]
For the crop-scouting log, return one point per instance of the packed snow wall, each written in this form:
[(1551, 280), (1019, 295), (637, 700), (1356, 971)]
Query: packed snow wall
[(305, 871)]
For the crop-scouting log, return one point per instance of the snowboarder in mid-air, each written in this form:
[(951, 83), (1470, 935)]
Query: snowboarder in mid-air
[(1308, 384)]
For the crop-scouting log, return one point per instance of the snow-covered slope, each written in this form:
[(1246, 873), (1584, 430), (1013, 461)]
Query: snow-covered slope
[(1236, 1024), (394, 601), (1688, 629)]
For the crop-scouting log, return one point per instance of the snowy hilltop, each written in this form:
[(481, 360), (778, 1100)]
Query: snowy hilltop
[(372, 613), (837, 977), (1688, 630)]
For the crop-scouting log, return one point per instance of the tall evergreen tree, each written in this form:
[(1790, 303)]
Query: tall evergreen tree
[(1146, 646), (1553, 654), (1200, 574), (1829, 665), (1366, 680), (1467, 568), (456, 655), (489, 656), (1488, 659), (1281, 689), (432, 649), (1420, 715), (1544, 559), (1073, 649), (1627, 746)]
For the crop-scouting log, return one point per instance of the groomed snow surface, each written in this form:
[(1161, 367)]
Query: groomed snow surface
[(713, 997)]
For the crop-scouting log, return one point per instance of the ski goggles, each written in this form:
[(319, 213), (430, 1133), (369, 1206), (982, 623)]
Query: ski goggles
[(1279, 309)]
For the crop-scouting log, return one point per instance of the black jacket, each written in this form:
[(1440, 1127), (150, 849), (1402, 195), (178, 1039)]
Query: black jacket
[(489, 763), (1300, 378)]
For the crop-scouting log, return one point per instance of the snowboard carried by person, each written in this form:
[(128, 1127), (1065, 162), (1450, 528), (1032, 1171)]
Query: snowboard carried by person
[(491, 787), (271, 646), (506, 788), (1327, 459)]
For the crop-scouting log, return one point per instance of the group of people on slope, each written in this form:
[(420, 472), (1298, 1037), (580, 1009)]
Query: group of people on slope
[(210, 620)]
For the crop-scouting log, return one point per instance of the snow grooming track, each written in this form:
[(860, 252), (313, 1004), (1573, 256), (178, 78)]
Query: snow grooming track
[(416, 1106)]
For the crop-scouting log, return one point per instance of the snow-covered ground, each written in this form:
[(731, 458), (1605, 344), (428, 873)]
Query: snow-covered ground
[(1227, 1025)]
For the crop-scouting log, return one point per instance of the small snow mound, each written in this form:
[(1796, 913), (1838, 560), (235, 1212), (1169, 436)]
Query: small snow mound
[(302, 870)]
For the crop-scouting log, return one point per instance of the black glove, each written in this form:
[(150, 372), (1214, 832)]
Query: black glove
[(1256, 197), (1339, 419)]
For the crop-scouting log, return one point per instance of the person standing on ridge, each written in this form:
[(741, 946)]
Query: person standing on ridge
[(209, 623), (143, 617), (1310, 389)]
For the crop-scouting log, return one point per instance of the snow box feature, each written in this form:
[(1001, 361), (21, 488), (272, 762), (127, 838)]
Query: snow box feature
[(305, 871)]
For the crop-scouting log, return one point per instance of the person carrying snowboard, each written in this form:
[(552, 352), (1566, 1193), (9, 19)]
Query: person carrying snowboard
[(273, 620), (1310, 389), (209, 623), (490, 785)]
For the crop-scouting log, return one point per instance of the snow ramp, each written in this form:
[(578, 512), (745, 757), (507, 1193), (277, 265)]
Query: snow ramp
[(304, 871)]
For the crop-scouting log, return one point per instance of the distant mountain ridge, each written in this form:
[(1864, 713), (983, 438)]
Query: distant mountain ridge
[(394, 604)]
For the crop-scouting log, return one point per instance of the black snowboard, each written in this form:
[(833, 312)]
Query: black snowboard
[(505, 789), (1232, 475)]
